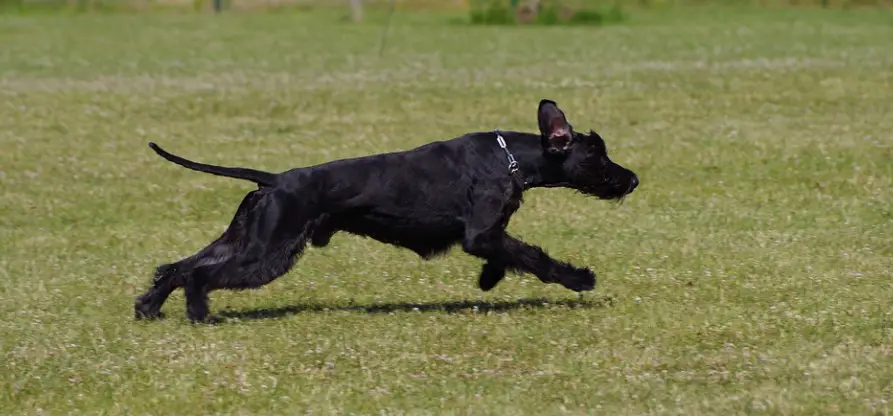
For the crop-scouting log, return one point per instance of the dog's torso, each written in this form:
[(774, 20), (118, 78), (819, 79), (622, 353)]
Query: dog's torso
[(409, 198)]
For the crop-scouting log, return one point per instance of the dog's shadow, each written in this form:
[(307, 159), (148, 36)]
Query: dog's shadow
[(463, 306)]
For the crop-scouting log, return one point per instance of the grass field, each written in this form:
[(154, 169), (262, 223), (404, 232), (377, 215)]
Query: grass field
[(751, 272)]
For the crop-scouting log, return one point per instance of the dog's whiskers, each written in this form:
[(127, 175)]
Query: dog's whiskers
[(619, 201)]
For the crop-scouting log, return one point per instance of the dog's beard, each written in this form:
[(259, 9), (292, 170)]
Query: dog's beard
[(622, 198), (601, 191), (606, 190)]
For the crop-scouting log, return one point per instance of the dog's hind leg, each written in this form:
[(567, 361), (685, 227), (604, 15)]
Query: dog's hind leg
[(169, 277), (274, 235), (148, 305)]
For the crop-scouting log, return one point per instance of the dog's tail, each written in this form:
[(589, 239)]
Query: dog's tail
[(260, 177)]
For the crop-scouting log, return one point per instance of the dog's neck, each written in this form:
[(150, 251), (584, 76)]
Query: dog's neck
[(535, 168)]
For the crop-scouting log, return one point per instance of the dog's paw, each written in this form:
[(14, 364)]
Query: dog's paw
[(491, 275), (146, 311), (579, 280)]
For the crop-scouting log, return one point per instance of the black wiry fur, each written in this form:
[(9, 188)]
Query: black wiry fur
[(427, 200)]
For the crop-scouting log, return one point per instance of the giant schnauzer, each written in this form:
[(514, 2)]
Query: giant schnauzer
[(426, 199)]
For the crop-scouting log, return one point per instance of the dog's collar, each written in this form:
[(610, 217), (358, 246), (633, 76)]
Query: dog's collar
[(513, 164)]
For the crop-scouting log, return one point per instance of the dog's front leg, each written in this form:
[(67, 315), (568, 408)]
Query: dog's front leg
[(531, 258), (485, 237)]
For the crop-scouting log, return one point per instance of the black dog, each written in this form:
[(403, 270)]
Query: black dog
[(426, 199)]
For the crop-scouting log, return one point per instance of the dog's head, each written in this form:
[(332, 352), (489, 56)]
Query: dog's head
[(583, 158)]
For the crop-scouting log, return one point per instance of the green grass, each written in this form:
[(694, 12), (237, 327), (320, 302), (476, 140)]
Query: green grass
[(749, 273)]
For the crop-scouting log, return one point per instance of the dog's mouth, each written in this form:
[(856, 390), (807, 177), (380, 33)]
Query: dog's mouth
[(601, 191), (607, 191)]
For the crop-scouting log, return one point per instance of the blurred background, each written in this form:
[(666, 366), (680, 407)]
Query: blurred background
[(502, 11)]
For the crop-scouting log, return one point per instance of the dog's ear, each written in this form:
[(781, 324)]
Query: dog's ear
[(556, 132)]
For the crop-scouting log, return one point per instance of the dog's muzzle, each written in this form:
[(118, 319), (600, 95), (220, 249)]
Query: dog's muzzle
[(633, 183)]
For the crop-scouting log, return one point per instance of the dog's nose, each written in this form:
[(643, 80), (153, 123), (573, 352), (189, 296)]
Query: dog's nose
[(633, 183)]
